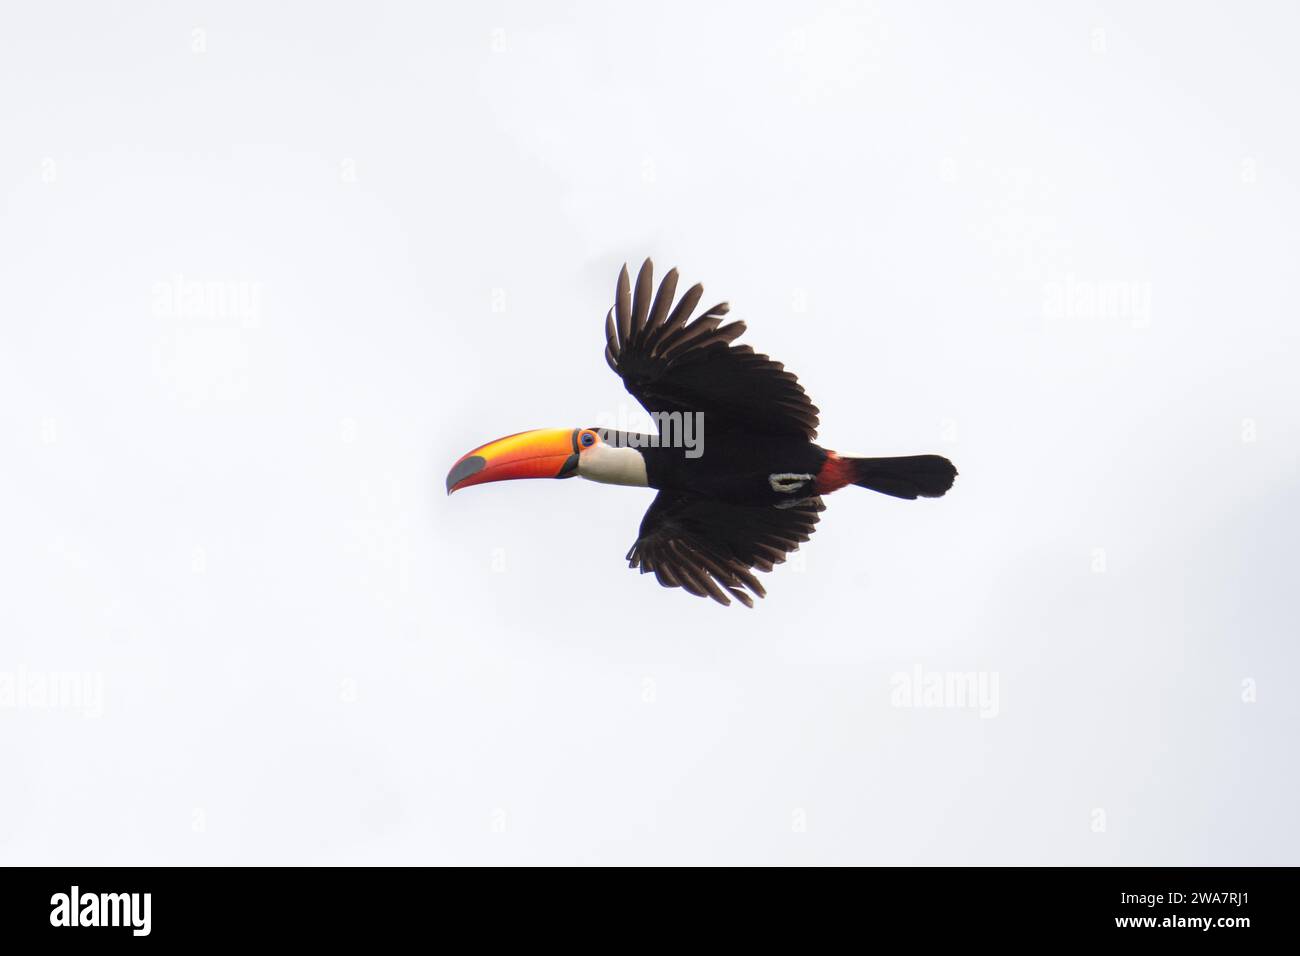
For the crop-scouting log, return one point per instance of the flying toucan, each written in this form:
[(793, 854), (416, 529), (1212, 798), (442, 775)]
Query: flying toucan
[(740, 479)]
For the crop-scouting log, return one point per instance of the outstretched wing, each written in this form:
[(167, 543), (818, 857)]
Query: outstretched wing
[(671, 363), (712, 547)]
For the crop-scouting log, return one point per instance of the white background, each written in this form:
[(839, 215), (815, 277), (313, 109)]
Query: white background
[(234, 519)]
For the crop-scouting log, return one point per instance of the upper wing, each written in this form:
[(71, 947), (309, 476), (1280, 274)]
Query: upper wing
[(710, 547), (673, 364)]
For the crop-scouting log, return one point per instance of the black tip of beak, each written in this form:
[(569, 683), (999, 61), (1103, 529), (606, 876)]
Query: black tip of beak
[(470, 466)]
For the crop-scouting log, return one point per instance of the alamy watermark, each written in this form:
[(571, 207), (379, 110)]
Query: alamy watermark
[(667, 430), (52, 690), (953, 690), (1075, 298), (209, 299), (77, 908)]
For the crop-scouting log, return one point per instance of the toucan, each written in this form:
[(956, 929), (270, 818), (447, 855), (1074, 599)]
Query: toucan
[(739, 477)]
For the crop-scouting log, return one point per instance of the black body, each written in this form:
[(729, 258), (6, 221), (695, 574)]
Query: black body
[(751, 496), (731, 465)]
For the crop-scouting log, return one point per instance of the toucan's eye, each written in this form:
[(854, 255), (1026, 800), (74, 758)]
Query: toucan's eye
[(587, 439)]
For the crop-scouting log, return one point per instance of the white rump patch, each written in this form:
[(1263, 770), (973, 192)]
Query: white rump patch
[(783, 505), (788, 482)]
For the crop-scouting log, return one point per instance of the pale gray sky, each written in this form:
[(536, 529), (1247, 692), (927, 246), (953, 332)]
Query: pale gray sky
[(268, 270)]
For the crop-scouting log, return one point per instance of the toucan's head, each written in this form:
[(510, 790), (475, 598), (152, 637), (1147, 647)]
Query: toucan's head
[(550, 453)]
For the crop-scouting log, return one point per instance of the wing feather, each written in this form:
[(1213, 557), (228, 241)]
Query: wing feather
[(623, 310), (711, 548), (672, 363)]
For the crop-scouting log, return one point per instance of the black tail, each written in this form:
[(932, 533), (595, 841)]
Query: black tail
[(926, 476)]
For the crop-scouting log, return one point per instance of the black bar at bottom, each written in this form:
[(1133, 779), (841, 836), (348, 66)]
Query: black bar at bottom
[(335, 906)]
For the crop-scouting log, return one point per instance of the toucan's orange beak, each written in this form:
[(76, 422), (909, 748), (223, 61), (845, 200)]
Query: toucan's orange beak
[(544, 453)]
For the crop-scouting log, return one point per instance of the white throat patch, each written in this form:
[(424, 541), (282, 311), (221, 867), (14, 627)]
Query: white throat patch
[(611, 465)]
